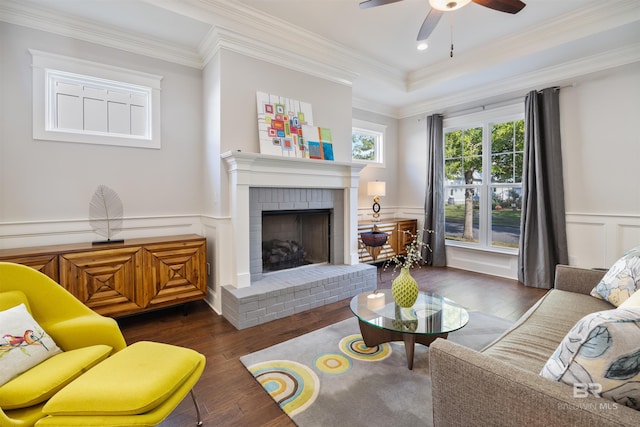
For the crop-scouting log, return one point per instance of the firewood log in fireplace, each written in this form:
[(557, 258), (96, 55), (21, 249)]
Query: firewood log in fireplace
[(279, 254)]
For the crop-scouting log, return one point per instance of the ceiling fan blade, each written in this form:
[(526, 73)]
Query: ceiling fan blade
[(429, 24), (373, 3), (507, 6)]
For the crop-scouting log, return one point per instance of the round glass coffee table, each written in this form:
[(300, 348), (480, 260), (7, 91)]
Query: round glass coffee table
[(431, 316)]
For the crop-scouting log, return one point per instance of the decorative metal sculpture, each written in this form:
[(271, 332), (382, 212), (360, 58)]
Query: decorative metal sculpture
[(105, 213)]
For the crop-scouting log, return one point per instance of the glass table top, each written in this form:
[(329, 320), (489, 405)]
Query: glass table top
[(430, 314)]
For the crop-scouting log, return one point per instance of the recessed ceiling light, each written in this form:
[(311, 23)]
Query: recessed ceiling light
[(422, 46)]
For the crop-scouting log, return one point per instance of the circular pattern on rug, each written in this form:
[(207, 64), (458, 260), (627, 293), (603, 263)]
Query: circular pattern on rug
[(332, 363), (292, 385), (354, 346)]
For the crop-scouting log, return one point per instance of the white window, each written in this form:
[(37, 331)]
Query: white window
[(82, 101), (483, 178), (367, 142)]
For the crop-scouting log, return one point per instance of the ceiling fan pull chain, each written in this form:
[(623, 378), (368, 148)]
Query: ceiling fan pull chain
[(451, 33)]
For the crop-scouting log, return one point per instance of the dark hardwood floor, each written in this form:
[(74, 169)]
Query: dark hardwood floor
[(228, 394)]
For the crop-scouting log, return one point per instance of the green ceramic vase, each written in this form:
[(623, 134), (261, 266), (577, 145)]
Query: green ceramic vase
[(404, 289)]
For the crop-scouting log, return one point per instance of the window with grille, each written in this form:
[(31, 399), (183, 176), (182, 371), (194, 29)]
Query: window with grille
[(483, 179), (367, 143), (81, 101)]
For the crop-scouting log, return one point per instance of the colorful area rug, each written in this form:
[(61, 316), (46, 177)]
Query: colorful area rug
[(329, 377)]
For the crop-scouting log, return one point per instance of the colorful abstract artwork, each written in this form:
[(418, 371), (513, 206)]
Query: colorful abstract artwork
[(319, 142), (285, 128)]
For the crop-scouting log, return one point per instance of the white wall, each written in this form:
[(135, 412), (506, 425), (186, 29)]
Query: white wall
[(601, 148), (390, 202), (231, 81), (46, 186)]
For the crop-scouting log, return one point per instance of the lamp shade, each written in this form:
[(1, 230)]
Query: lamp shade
[(376, 188)]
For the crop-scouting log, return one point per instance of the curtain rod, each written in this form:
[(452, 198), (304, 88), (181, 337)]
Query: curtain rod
[(485, 107)]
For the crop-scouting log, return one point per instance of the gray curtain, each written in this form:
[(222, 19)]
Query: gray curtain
[(543, 238), (434, 195)]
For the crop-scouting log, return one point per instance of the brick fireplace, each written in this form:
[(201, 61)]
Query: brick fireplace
[(263, 183), (296, 202)]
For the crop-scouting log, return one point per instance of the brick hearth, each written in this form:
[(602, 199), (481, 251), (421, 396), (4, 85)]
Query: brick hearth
[(282, 293)]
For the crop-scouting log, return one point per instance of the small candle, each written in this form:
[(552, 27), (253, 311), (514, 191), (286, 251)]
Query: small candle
[(375, 300)]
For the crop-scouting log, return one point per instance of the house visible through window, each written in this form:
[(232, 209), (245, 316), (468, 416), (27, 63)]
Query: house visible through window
[(367, 142), (483, 180)]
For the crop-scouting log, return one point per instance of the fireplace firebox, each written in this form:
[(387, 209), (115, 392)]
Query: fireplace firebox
[(293, 238)]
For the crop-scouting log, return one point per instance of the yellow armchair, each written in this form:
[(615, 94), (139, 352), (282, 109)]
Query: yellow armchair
[(97, 380), (71, 324)]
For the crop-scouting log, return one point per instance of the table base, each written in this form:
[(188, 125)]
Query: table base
[(374, 336)]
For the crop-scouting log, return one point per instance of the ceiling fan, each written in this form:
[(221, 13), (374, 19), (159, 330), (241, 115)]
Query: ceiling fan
[(438, 7)]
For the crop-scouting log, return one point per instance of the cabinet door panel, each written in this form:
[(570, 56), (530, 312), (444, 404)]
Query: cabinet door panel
[(174, 273), (105, 280), (47, 263), (406, 232)]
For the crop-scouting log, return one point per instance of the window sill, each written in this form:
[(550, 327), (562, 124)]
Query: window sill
[(492, 249)]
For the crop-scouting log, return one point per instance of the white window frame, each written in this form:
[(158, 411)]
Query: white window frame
[(484, 119), (49, 69), (376, 130)]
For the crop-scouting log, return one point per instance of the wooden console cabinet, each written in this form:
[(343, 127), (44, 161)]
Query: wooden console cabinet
[(118, 279), (398, 230)]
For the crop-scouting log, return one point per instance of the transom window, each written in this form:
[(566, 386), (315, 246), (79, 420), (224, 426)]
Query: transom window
[(75, 100), (96, 106), (483, 180)]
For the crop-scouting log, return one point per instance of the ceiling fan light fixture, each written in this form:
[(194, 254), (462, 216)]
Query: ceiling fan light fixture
[(422, 45), (448, 5)]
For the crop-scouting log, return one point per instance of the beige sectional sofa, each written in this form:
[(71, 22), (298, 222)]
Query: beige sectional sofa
[(501, 386)]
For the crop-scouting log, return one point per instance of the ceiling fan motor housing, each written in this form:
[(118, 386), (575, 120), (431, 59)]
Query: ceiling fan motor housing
[(448, 5)]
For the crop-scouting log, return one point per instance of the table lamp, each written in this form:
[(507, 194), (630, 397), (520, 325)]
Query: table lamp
[(376, 189)]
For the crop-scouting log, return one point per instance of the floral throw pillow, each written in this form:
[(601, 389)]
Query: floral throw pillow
[(622, 279), (602, 354), (23, 343)]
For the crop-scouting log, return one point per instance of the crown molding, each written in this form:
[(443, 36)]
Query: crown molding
[(42, 19), (248, 31), (221, 38), (597, 18), (374, 107), (257, 33), (556, 75)]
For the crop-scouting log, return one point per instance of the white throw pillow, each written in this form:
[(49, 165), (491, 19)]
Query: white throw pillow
[(632, 301), (622, 279), (23, 343), (601, 353)]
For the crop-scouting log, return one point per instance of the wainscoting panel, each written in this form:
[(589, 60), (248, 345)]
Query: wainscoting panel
[(481, 261), (599, 240), (219, 253)]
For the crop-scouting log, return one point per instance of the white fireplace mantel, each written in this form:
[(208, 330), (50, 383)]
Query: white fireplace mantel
[(260, 170)]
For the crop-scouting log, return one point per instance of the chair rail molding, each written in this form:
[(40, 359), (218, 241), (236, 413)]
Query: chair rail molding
[(20, 234)]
